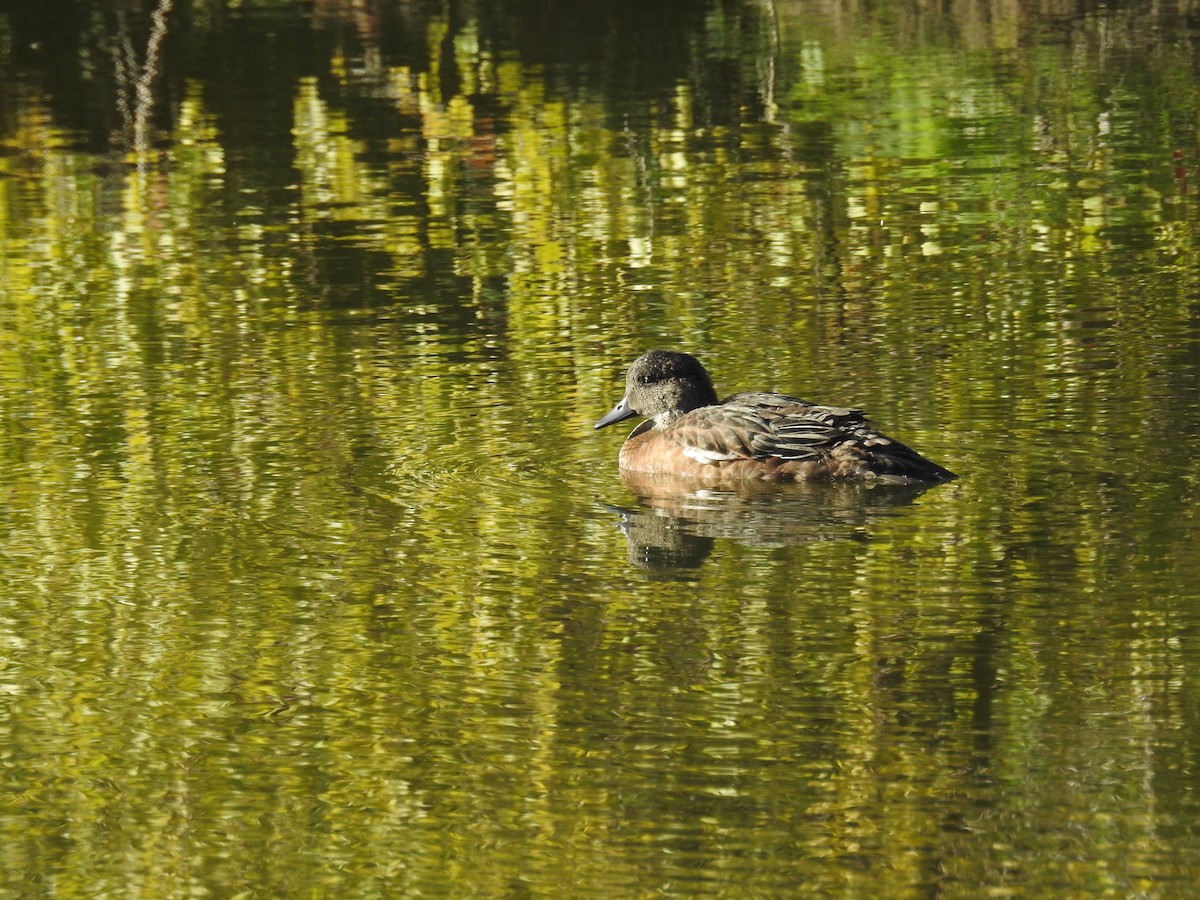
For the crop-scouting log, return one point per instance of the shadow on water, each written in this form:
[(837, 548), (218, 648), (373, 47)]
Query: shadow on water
[(676, 525)]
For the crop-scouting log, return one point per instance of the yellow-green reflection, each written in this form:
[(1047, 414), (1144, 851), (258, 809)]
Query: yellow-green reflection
[(315, 579)]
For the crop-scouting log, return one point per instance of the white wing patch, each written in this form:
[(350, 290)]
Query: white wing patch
[(707, 457)]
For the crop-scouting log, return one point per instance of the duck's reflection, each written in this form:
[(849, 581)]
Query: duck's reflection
[(677, 522)]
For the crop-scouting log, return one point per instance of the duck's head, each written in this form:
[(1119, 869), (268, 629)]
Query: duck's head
[(660, 385)]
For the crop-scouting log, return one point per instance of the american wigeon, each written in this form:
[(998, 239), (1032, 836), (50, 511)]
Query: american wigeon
[(689, 432)]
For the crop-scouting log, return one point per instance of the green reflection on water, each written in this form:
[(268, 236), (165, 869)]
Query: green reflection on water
[(317, 581)]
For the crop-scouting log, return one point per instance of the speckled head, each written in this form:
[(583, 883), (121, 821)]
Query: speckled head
[(662, 384)]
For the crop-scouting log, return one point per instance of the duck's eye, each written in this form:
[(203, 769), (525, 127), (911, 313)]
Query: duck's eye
[(646, 379)]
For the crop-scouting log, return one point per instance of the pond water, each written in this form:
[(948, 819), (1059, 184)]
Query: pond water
[(317, 581)]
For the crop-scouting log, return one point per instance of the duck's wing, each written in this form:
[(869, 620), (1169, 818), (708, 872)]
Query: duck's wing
[(763, 426), (792, 428)]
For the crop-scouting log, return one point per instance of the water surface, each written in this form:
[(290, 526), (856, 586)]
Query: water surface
[(318, 582)]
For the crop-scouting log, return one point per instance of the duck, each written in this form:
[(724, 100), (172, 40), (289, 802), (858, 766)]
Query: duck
[(688, 432)]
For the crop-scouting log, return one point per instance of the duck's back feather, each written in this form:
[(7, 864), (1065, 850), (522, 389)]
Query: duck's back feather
[(777, 437)]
